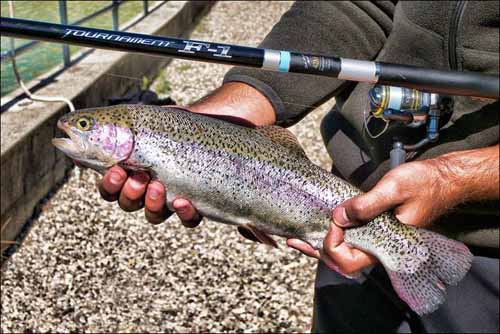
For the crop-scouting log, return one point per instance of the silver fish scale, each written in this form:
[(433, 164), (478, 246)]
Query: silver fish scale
[(238, 176), (399, 247), (233, 189)]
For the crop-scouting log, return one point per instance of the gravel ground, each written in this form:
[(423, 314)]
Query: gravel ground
[(88, 266)]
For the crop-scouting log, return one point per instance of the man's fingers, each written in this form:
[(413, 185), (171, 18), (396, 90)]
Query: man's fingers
[(112, 183), (186, 212), (346, 259), (132, 194), (156, 210), (135, 192), (357, 210), (333, 239), (336, 254), (360, 209), (157, 217), (155, 196), (303, 247)]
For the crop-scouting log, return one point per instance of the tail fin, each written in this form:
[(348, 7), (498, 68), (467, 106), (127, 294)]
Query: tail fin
[(424, 289)]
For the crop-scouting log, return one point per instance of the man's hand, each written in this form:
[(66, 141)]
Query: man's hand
[(418, 192), (135, 191)]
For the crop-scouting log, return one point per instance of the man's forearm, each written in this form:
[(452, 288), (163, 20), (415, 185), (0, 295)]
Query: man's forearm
[(237, 100), (472, 175)]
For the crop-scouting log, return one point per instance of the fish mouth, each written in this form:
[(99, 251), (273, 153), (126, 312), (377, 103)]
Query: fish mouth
[(71, 145)]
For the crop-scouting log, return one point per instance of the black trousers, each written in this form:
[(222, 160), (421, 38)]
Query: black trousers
[(371, 305)]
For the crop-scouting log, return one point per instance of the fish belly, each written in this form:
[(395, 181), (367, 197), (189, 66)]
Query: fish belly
[(242, 191)]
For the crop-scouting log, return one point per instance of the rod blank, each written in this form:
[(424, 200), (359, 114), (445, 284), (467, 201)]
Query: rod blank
[(437, 81)]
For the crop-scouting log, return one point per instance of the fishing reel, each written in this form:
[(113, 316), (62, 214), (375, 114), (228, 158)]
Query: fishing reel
[(411, 107)]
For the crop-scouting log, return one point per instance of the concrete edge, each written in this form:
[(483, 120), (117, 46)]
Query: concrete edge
[(30, 165)]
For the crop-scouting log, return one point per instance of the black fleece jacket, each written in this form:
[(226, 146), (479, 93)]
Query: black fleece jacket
[(440, 34)]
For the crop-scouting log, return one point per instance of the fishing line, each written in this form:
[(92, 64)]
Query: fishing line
[(140, 80), (20, 81), (123, 76), (367, 117)]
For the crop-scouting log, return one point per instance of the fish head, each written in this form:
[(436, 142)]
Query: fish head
[(97, 138)]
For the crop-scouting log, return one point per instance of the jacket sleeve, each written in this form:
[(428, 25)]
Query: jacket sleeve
[(355, 29)]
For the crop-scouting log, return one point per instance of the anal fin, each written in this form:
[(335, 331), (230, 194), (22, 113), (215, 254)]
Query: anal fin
[(260, 235)]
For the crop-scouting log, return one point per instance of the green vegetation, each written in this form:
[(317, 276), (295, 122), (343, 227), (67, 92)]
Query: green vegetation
[(184, 67), (47, 55), (145, 83), (163, 86)]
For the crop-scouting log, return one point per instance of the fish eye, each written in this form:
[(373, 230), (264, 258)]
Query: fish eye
[(83, 123)]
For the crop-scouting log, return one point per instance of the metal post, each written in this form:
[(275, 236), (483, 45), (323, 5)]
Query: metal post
[(63, 16), (114, 11), (146, 7)]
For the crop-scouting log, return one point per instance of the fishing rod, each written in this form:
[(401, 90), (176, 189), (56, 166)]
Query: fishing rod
[(412, 95), (472, 84)]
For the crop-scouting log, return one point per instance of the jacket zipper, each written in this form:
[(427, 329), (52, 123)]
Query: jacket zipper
[(452, 36)]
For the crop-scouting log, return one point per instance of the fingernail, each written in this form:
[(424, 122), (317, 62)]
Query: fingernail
[(180, 208), (138, 180), (180, 205), (344, 215), (116, 178), (340, 217), (154, 194)]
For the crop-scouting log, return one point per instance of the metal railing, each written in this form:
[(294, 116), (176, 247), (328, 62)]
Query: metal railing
[(63, 16)]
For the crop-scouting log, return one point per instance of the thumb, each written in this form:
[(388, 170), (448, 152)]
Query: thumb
[(365, 207)]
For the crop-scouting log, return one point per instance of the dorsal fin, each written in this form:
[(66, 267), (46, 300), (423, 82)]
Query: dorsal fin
[(281, 136), (231, 119)]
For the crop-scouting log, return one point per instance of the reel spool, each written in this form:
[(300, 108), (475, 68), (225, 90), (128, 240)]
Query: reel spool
[(411, 107)]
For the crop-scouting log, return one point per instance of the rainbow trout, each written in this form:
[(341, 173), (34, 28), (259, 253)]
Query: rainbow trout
[(259, 179)]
